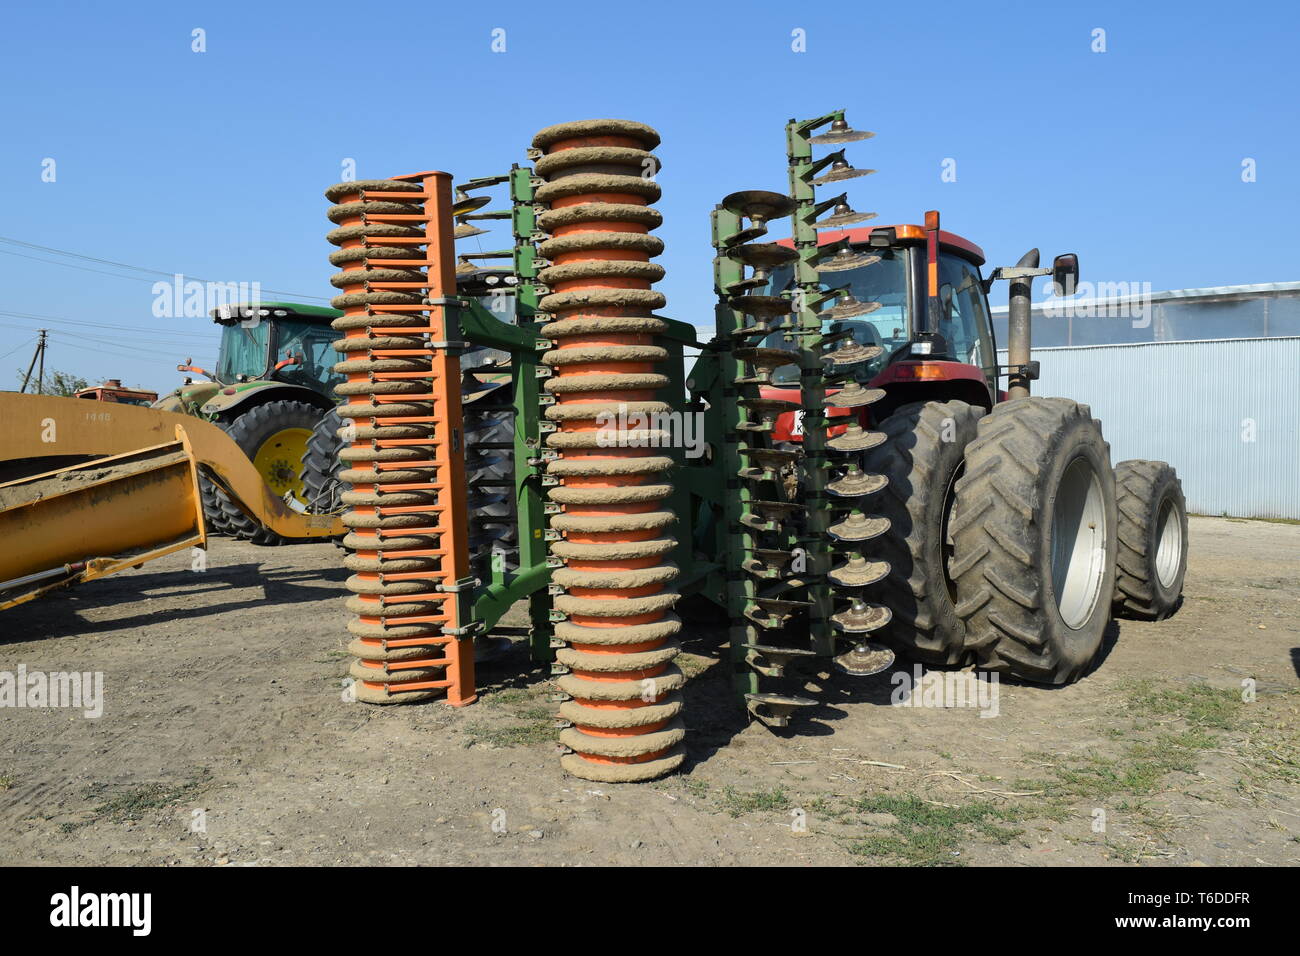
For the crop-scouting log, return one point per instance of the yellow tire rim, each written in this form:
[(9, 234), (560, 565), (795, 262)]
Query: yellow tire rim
[(279, 461)]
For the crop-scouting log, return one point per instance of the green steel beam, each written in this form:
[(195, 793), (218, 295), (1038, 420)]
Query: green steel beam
[(480, 327), (816, 543), (736, 494), (529, 399)]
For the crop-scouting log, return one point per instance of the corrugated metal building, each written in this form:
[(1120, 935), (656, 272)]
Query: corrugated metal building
[(1205, 379), (1113, 313), (1225, 413)]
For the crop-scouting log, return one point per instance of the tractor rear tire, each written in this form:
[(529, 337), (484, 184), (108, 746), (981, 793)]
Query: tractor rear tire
[(1035, 535), (1152, 540), (214, 516), (212, 498), (923, 457), (321, 466), (252, 432)]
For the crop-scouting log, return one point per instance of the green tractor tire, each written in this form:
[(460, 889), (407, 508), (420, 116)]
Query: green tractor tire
[(321, 466), (214, 515), (275, 437)]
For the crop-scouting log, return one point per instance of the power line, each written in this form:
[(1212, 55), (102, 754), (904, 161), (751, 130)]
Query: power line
[(69, 265), (17, 348), (116, 347), (28, 316), (122, 265), (127, 350), (75, 255)]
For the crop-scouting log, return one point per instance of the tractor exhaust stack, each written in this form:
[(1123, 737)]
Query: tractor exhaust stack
[(1019, 327)]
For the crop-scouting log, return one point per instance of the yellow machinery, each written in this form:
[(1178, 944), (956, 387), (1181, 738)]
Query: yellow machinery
[(120, 489)]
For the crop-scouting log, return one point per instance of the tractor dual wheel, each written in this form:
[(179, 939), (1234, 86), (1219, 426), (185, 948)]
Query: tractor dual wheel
[(1152, 540), (922, 456), (274, 436), (1034, 530)]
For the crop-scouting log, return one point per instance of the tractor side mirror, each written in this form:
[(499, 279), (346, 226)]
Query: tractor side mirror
[(1065, 274)]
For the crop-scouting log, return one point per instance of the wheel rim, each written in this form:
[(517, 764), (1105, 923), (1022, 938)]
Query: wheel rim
[(947, 548), (1169, 542), (279, 458), (1078, 543)]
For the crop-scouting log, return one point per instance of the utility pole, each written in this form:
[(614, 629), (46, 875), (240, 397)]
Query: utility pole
[(38, 354)]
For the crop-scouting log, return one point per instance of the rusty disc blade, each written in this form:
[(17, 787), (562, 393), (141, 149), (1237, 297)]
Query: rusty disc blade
[(759, 204), (865, 659)]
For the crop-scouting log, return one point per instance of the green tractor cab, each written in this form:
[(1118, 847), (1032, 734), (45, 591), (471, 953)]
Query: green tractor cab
[(280, 344)]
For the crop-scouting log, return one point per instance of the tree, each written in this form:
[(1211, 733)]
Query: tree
[(55, 383)]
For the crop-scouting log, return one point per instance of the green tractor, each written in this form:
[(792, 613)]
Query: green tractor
[(273, 383)]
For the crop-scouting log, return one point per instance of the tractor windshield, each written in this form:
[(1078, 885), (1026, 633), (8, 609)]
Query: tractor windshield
[(243, 352), (310, 344), (884, 282)]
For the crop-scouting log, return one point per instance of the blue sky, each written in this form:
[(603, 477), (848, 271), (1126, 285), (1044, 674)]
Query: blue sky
[(212, 164)]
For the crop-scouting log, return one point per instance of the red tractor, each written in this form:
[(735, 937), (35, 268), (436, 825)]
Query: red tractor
[(969, 465)]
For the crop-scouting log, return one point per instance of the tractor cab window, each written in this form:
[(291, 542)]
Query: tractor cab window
[(967, 329), (883, 282), (311, 344), (243, 352)]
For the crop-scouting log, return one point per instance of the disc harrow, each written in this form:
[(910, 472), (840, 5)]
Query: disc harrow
[(507, 434), (767, 591), (798, 563)]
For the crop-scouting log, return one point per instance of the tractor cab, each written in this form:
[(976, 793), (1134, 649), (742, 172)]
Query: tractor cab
[(266, 349), (278, 341), (892, 313)]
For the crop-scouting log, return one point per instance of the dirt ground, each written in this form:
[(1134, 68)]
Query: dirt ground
[(226, 739)]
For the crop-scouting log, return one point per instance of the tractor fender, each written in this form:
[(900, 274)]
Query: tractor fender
[(187, 399), (245, 395)]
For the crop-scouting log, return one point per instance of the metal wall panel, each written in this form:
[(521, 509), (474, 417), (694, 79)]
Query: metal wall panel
[(1225, 413), (1267, 310)]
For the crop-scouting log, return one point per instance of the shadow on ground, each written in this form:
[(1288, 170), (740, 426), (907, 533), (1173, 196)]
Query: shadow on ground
[(60, 613)]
